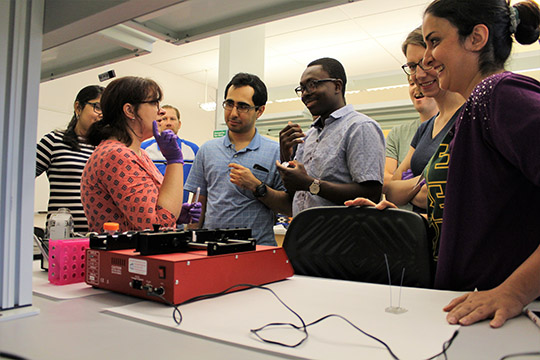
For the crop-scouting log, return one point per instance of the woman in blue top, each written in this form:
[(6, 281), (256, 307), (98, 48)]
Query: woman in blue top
[(429, 134)]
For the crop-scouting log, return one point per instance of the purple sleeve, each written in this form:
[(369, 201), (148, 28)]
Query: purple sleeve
[(515, 125)]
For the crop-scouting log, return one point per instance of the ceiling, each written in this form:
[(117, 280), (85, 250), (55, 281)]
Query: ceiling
[(365, 36), (182, 37)]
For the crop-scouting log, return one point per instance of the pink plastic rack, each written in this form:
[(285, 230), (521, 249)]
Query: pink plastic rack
[(67, 261)]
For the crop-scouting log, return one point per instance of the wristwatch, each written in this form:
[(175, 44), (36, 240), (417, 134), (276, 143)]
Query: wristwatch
[(261, 190), (315, 187)]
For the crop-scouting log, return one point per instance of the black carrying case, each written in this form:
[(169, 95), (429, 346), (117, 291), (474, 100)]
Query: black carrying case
[(350, 243)]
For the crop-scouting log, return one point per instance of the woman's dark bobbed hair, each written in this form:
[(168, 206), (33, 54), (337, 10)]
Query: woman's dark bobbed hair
[(129, 89)]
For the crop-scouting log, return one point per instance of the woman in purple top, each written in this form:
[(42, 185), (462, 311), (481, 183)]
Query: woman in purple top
[(490, 236)]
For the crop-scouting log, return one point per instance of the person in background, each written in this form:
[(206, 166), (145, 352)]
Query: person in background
[(342, 155), (401, 189), (236, 174), (398, 140), (62, 154), (120, 182), (171, 120)]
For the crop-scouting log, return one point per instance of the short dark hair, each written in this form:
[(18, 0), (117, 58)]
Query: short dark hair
[(128, 89), (175, 110), (333, 68), (85, 95), (260, 95), (495, 14), (415, 37)]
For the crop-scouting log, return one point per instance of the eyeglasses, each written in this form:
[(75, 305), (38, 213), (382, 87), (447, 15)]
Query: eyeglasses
[(152, 102), (242, 108), (96, 106), (410, 68), (311, 85)]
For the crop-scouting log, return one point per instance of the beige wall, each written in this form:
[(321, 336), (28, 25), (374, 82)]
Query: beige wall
[(363, 97)]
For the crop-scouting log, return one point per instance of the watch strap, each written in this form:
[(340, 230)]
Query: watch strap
[(260, 190)]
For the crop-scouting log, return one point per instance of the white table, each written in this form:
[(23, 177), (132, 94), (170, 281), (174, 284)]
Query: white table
[(79, 327)]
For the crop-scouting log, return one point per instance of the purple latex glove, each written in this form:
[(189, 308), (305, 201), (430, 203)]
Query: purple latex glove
[(168, 144), (190, 213), (407, 174)]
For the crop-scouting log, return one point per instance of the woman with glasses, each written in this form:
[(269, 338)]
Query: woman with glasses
[(404, 186), (62, 154), (120, 183), (490, 236), (398, 140)]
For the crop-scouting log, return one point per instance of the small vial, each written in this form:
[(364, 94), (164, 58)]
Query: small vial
[(111, 227)]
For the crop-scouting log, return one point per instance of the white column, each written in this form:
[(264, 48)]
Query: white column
[(21, 24), (239, 51)]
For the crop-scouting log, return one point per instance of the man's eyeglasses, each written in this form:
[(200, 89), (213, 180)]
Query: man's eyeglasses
[(410, 68), (242, 108), (311, 85), (96, 106)]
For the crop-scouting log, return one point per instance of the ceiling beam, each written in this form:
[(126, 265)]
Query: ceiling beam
[(104, 17)]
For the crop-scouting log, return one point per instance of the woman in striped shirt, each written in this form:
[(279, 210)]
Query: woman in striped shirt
[(62, 154)]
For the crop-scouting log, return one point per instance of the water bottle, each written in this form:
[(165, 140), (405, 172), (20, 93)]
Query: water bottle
[(60, 225)]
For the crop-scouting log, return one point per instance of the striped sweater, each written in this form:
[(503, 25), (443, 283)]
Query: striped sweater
[(64, 167)]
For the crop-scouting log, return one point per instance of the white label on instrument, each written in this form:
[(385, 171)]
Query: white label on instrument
[(137, 266)]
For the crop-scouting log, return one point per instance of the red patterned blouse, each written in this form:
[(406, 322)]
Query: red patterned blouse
[(120, 186)]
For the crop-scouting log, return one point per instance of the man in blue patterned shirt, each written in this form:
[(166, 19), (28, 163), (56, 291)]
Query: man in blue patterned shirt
[(342, 155), (237, 175)]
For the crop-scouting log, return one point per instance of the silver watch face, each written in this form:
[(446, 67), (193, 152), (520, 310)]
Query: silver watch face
[(314, 188)]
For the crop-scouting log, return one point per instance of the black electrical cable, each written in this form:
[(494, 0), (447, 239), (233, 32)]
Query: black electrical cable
[(177, 317), (5, 355), (357, 328), (536, 353), (445, 346)]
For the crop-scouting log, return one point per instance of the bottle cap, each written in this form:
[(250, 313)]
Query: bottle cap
[(111, 226)]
